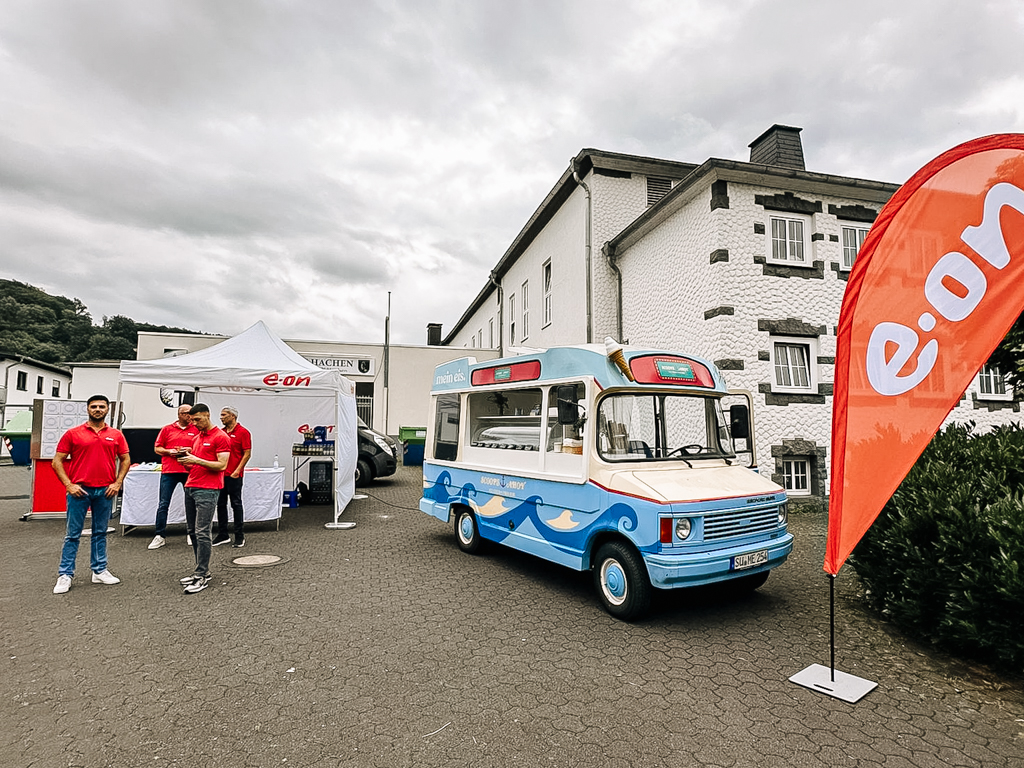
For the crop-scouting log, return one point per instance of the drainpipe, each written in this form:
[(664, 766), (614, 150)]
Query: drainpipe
[(586, 189), (501, 313), (609, 252), (7, 390)]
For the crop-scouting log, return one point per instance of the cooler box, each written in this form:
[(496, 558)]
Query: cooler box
[(413, 439)]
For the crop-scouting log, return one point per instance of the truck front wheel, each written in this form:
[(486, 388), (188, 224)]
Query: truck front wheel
[(621, 581)]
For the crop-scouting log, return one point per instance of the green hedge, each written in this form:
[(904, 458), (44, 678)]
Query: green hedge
[(945, 559)]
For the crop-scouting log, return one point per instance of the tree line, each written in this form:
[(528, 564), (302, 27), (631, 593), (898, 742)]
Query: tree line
[(56, 329)]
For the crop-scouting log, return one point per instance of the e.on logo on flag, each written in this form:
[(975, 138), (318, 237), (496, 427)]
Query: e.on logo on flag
[(936, 286), (953, 289)]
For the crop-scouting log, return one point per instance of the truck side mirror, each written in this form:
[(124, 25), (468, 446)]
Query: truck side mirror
[(568, 404), (739, 422)]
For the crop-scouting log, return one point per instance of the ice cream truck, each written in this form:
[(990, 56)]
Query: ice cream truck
[(635, 464)]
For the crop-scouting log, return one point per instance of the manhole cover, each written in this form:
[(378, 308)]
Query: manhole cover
[(258, 561)]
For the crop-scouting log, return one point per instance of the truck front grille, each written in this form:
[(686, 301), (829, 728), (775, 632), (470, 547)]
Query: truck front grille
[(739, 522)]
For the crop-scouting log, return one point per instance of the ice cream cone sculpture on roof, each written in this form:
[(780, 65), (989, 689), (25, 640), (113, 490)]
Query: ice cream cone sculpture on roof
[(614, 352)]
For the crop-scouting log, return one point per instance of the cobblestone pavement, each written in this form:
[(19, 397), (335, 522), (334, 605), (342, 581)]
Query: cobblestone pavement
[(385, 645)]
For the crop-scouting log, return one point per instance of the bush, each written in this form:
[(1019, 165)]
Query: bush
[(943, 560)]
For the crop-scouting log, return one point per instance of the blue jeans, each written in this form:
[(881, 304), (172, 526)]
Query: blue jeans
[(200, 507), (96, 500), (168, 482)]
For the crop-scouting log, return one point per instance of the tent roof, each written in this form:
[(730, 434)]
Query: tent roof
[(255, 359)]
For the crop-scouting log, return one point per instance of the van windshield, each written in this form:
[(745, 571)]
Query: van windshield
[(659, 426)]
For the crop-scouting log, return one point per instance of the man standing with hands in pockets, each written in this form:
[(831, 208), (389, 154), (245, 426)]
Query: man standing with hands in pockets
[(172, 438), (241, 450), (92, 450), (206, 461)]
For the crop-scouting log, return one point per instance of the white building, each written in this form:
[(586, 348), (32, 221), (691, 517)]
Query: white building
[(743, 263), (23, 380)]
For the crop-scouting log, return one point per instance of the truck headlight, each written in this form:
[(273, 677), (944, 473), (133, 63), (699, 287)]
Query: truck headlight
[(683, 528), (783, 513)]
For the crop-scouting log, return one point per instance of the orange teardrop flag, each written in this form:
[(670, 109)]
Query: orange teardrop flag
[(938, 282)]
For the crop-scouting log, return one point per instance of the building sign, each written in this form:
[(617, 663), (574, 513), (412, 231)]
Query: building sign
[(347, 366)]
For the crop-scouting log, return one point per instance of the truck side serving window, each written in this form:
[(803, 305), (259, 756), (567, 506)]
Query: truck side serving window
[(505, 419), (446, 428)]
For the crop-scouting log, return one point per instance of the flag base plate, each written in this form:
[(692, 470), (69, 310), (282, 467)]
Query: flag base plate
[(340, 526), (846, 687)]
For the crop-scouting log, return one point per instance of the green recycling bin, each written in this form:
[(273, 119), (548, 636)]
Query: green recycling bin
[(17, 435), (413, 439)]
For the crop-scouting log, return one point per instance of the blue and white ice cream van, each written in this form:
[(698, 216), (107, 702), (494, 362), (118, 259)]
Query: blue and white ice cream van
[(623, 461)]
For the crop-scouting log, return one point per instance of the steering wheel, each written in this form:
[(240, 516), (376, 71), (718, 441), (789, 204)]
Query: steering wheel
[(686, 450)]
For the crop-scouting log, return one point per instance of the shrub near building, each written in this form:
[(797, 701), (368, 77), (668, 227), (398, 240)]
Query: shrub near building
[(944, 559)]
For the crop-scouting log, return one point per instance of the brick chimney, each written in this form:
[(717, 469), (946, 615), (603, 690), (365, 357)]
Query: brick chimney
[(779, 145), (433, 334)]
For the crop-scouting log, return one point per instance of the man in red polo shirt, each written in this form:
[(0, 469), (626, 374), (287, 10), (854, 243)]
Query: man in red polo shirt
[(92, 450), (206, 460), (172, 438), (241, 450)]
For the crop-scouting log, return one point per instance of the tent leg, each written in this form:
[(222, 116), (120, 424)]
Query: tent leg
[(337, 507)]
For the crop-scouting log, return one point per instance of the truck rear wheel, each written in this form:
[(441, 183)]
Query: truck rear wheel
[(467, 533), (621, 581)]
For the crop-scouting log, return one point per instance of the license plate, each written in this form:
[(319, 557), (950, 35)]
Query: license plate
[(750, 560)]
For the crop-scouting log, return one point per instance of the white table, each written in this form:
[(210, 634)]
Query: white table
[(262, 494)]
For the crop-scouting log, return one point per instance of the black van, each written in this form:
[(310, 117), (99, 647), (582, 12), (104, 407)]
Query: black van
[(378, 455)]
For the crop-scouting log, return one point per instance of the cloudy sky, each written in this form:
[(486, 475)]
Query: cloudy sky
[(210, 163)]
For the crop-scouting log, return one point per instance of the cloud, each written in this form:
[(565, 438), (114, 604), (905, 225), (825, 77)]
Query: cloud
[(305, 159)]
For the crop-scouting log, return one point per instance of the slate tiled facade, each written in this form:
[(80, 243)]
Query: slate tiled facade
[(744, 263)]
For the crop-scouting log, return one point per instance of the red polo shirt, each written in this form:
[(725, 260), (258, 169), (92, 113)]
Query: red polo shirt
[(206, 446), (175, 436), (92, 455), (241, 441)]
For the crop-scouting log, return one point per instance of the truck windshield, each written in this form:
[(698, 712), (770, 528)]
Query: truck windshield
[(657, 426)]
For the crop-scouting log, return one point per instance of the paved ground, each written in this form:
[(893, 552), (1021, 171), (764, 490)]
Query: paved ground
[(386, 646)]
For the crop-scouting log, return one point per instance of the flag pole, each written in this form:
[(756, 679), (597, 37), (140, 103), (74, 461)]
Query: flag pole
[(832, 622), (826, 680)]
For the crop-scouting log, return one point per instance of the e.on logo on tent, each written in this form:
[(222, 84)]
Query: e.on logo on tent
[(952, 290), (276, 380)]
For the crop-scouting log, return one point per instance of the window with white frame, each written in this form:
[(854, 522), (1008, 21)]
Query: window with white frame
[(794, 363), (22, 381), (546, 280), (788, 239), (524, 331), (39, 385), (490, 333), (992, 385), (512, 318), (55, 387), (853, 239), (796, 476)]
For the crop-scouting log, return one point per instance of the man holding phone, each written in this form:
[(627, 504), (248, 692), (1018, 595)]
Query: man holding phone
[(206, 461)]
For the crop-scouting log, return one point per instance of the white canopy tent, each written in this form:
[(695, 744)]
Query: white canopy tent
[(257, 363)]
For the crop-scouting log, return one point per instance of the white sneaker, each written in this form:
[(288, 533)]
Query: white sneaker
[(105, 577), (63, 585), (157, 542)]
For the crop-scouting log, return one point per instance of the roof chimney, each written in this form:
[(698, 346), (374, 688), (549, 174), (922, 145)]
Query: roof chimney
[(779, 145), (433, 334)]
